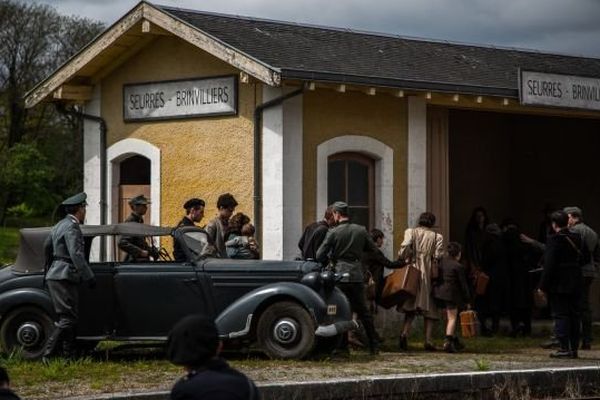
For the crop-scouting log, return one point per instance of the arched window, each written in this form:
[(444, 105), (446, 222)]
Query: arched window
[(350, 178), (134, 179)]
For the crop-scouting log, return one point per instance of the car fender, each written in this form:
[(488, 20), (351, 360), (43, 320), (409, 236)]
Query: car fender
[(237, 320), (23, 297)]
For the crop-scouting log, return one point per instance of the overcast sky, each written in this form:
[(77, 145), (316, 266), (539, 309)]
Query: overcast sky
[(563, 26)]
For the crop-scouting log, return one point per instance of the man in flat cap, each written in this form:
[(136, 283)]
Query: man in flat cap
[(344, 246), (194, 212), (588, 270), (68, 267), (194, 344), (137, 247)]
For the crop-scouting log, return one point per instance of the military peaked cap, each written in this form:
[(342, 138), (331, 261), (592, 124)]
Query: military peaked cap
[(79, 198), (139, 200), (576, 211), (340, 206)]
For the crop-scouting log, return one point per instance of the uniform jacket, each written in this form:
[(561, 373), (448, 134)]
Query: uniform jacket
[(218, 381), (590, 239), (453, 284), (7, 394), (344, 245), (134, 245), (66, 248), (562, 263), (178, 253), (216, 232), (311, 239)]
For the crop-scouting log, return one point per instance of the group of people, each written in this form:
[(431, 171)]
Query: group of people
[(230, 235)]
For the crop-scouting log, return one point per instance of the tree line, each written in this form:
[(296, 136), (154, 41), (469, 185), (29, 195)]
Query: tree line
[(41, 149)]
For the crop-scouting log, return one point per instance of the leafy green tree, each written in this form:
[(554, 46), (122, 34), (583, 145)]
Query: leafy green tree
[(42, 146)]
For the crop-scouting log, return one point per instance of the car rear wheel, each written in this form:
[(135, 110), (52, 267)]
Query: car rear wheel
[(26, 328), (286, 330)]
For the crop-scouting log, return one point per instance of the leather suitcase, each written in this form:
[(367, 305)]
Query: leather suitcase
[(400, 285), (469, 323)]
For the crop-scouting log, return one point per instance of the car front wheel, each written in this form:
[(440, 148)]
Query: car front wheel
[(286, 330), (26, 328)]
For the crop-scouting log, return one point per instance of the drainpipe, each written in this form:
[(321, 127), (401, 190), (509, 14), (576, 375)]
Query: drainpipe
[(258, 114), (103, 199)]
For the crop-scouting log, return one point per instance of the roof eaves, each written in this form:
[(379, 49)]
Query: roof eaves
[(323, 76), (234, 56)]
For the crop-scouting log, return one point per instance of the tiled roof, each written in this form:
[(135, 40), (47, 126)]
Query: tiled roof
[(343, 55)]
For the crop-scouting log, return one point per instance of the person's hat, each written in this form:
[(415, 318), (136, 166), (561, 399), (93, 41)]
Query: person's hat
[(139, 200), (576, 211), (340, 207), (78, 199), (194, 203), (192, 341)]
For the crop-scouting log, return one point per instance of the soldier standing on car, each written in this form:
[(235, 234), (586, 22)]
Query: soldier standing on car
[(344, 246), (68, 267), (137, 247), (194, 212)]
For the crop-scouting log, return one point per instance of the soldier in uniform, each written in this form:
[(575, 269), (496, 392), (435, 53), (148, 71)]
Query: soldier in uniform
[(68, 267), (344, 246), (137, 247), (194, 212)]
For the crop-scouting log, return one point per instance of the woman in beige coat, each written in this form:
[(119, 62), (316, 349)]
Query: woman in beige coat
[(429, 248)]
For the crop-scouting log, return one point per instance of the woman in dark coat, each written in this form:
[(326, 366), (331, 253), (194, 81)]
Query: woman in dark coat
[(475, 237), (494, 263), (452, 291)]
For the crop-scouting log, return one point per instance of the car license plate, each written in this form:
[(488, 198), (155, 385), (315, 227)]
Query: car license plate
[(331, 309)]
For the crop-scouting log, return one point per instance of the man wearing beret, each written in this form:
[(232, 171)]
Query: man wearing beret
[(589, 272), (68, 267), (136, 247), (194, 212), (344, 245), (194, 344)]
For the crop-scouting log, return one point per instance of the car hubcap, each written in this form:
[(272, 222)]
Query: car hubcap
[(285, 331), (29, 334)]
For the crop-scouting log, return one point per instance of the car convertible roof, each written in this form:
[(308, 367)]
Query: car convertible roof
[(31, 256)]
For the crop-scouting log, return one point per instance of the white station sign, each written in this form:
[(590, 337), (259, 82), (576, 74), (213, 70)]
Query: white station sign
[(180, 99), (570, 91)]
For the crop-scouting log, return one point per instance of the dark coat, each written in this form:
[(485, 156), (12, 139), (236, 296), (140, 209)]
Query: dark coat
[(7, 394), (521, 258), (217, 381), (495, 265), (311, 239), (563, 262), (134, 245), (453, 285), (178, 253)]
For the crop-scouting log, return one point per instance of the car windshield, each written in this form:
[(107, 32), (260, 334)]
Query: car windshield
[(197, 242)]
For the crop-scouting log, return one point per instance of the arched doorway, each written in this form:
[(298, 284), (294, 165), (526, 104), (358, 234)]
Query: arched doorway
[(134, 179), (351, 178)]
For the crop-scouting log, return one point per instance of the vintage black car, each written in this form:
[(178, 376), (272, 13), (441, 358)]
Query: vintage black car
[(287, 307)]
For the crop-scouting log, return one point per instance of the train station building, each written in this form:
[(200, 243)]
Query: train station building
[(290, 117)]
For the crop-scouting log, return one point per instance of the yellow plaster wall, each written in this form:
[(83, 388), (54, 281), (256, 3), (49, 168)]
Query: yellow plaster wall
[(200, 157), (328, 114)]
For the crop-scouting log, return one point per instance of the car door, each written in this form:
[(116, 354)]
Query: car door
[(152, 296), (97, 305)]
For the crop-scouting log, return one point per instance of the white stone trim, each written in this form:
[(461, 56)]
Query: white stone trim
[(91, 158), (384, 178), (281, 176), (417, 158), (120, 151)]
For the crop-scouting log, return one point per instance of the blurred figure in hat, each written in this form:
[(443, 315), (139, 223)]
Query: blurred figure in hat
[(66, 268), (194, 344)]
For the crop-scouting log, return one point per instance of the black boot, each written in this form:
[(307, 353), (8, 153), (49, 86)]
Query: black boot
[(403, 343), (449, 345), (69, 347), (53, 343)]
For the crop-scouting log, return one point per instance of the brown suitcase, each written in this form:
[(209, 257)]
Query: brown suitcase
[(469, 324), (481, 280), (400, 285)]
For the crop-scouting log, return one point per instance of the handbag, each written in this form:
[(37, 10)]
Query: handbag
[(400, 285), (480, 282), (435, 266), (540, 300), (370, 287)]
